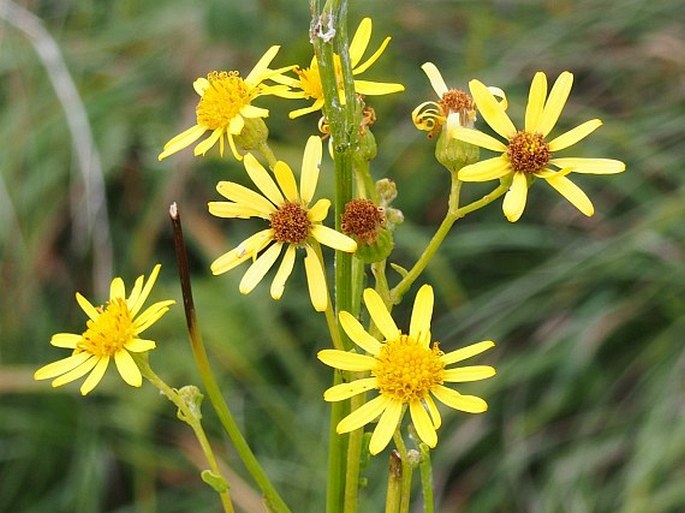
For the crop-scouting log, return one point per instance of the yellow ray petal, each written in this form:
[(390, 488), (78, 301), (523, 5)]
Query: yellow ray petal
[(306, 110), (333, 239), (574, 135), (283, 273), (433, 412), (555, 103), (241, 194), (261, 178), (200, 85), (62, 366), (87, 307), (470, 373), (203, 147), (423, 424), (316, 280), (485, 170), (573, 193), (536, 101), (235, 125), (386, 427), (363, 415), (147, 288), (286, 180), (358, 334), (76, 372), (347, 361), (478, 138), (380, 315), (435, 78), (259, 268), (453, 399), (117, 289), (360, 41), (491, 110), (347, 390), (369, 88), (65, 340), (590, 166), (515, 198), (311, 160), (463, 353), (255, 76), (182, 140), (231, 210), (421, 315), (319, 210), (250, 111), (128, 370), (374, 57), (140, 345), (245, 251), (151, 315), (95, 375)]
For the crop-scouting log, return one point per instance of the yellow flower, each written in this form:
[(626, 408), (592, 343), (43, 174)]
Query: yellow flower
[(405, 369), (225, 104), (528, 153), (454, 108), (293, 224), (112, 331), (308, 84)]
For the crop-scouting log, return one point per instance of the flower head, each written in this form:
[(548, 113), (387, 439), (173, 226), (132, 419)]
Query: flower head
[(292, 222), (225, 106), (408, 370), (307, 85), (112, 331), (454, 108), (528, 153)]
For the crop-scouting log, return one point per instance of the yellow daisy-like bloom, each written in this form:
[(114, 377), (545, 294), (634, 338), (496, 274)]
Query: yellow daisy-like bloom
[(112, 331), (528, 153), (454, 108), (293, 224), (308, 84), (225, 104), (406, 369)]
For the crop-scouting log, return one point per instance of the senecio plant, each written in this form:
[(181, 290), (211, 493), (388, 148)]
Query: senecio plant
[(389, 379)]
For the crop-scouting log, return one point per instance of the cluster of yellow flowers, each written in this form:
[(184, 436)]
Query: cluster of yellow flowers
[(407, 369)]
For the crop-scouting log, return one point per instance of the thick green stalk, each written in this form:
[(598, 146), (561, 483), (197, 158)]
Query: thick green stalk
[(407, 471), (394, 492), (273, 500), (329, 36)]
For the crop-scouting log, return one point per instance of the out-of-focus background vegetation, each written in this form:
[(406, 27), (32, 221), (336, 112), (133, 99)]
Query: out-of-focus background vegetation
[(587, 412)]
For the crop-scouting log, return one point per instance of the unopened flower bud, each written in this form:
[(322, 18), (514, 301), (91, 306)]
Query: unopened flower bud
[(453, 153), (253, 135)]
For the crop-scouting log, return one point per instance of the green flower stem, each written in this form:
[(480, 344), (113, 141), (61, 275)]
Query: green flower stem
[(393, 496), (454, 213), (272, 499), (354, 448), (266, 152), (190, 417), (426, 470), (407, 470)]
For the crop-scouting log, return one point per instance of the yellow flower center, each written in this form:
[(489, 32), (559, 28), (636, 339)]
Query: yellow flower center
[(110, 331), (291, 223), (222, 100), (528, 152), (310, 81), (407, 370)]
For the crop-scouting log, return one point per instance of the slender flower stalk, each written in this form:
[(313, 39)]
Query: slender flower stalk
[(273, 500)]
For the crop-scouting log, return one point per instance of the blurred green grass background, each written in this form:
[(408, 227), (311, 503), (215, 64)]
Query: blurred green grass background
[(587, 410)]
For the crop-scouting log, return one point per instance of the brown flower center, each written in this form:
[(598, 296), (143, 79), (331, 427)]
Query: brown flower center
[(456, 100), (291, 223), (528, 152), (362, 219)]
